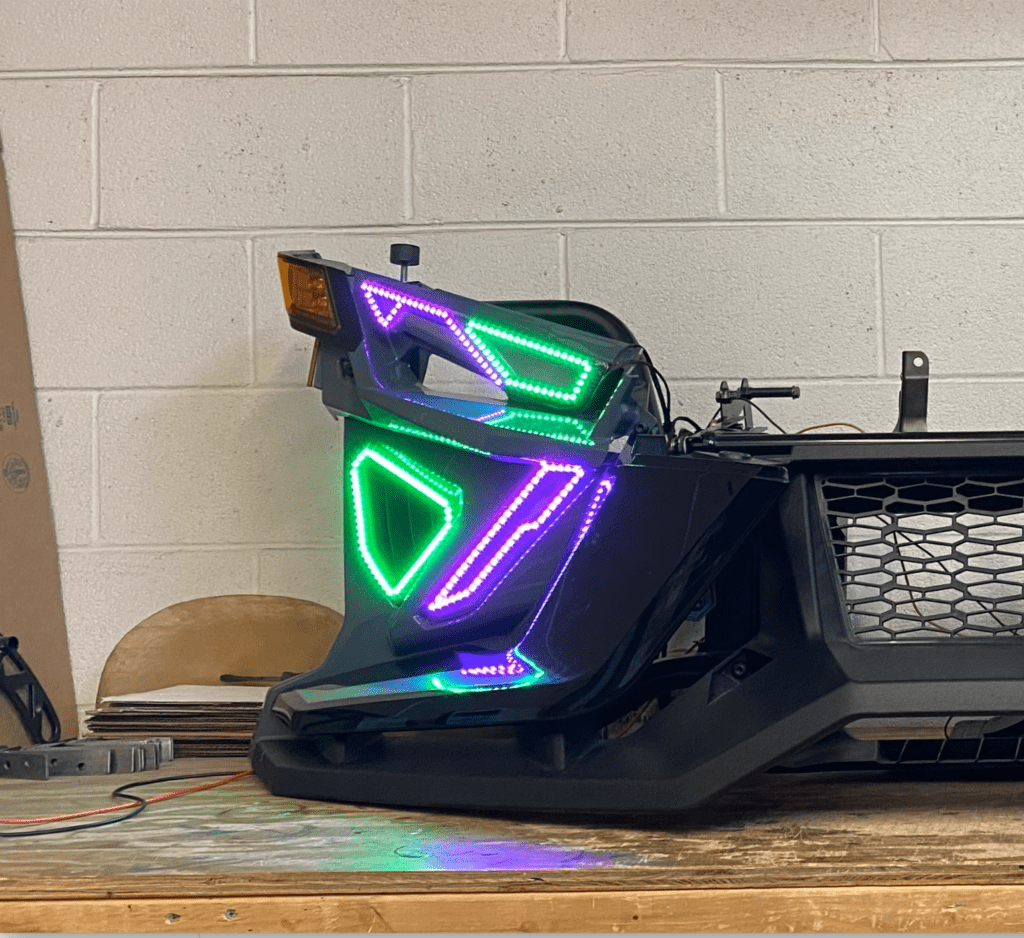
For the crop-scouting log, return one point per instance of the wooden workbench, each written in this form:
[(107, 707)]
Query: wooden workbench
[(785, 852)]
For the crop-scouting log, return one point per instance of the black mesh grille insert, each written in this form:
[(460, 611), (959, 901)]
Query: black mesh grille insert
[(929, 557)]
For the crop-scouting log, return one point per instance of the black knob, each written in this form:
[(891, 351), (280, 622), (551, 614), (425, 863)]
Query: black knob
[(406, 255)]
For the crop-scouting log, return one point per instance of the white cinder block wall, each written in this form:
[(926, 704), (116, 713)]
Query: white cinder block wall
[(790, 190)]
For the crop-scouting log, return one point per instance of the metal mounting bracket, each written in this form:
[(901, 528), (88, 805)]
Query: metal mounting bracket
[(86, 757), (913, 416)]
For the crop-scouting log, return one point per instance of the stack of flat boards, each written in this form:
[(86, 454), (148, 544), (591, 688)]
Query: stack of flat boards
[(202, 720)]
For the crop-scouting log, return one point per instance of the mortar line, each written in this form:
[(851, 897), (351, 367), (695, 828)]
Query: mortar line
[(253, 47), (392, 71), (300, 386), (879, 308), (562, 14), (95, 459), (876, 31), (563, 263), (94, 151), (723, 186), (179, 548), (123, 234), (408, 152), (873, 380), (250, 259)]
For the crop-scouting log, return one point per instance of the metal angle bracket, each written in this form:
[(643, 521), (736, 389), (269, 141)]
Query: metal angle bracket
[(913, 416), (86, 757)]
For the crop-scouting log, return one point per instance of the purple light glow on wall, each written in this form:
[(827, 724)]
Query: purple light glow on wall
[(402, 303), (516, 528)]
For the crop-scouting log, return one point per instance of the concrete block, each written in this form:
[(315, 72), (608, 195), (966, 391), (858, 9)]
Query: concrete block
[(953, 29), (109, 312), (564, 145), (316, 574), (875, 143), (65, 34), (972, 405), (871, 404), (44, 131), (218, 467), (713, 29), (485, 265), (955, 293), (348, 32), (235, 152), (108, 593), (66, 420), (768, 303)]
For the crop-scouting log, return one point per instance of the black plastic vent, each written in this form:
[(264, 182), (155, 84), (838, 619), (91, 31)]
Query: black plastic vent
[(988, 750), (929, 557)]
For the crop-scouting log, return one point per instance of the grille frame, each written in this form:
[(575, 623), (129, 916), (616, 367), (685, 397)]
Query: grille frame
[(926, 557)]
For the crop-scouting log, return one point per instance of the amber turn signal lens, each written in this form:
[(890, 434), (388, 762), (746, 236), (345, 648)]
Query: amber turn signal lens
[(306, 297)]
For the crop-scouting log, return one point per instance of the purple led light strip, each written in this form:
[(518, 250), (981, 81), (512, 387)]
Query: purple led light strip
[(601, 493), (512, 666), (404, 302), (449, 595)]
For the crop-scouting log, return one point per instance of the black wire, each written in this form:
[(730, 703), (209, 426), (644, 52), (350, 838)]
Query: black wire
[(116, 793), (693, 423), (615, 361), (766, 417), (664, 400), (715, 416), (88, 824)]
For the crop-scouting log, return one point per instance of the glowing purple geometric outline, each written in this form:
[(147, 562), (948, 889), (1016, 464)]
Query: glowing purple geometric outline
[(404, 302), (513, 666), (448, 595), (601, 493)]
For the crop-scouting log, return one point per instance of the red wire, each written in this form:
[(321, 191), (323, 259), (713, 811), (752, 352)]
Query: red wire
[(126, 807)]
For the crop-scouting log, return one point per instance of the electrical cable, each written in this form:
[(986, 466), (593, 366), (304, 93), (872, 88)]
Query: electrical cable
[(766, 417), (838, 423), (664, 400), (693, 423), (140, 804)]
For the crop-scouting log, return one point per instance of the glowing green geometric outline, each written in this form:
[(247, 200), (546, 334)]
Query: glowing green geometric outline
[(421, 481), (552, 426), (402, 427), (475, 327)]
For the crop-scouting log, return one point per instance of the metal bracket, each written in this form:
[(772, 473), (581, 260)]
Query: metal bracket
[(86, 757), (913, 416), (21, 687), (737, 413)]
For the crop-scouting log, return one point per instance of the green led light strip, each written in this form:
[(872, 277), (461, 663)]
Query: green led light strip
[(401, 427), (553, 426), (445, 495), (557, 395)]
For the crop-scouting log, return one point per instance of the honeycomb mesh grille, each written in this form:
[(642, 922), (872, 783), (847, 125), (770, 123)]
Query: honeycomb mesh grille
[(929, 557)]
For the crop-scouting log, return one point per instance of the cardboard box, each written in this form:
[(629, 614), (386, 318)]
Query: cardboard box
[(30, 601)]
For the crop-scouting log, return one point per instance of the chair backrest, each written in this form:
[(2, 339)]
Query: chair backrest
[(195, 642)]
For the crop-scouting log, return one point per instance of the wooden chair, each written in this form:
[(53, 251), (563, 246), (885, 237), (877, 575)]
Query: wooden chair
[(195, 642)]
